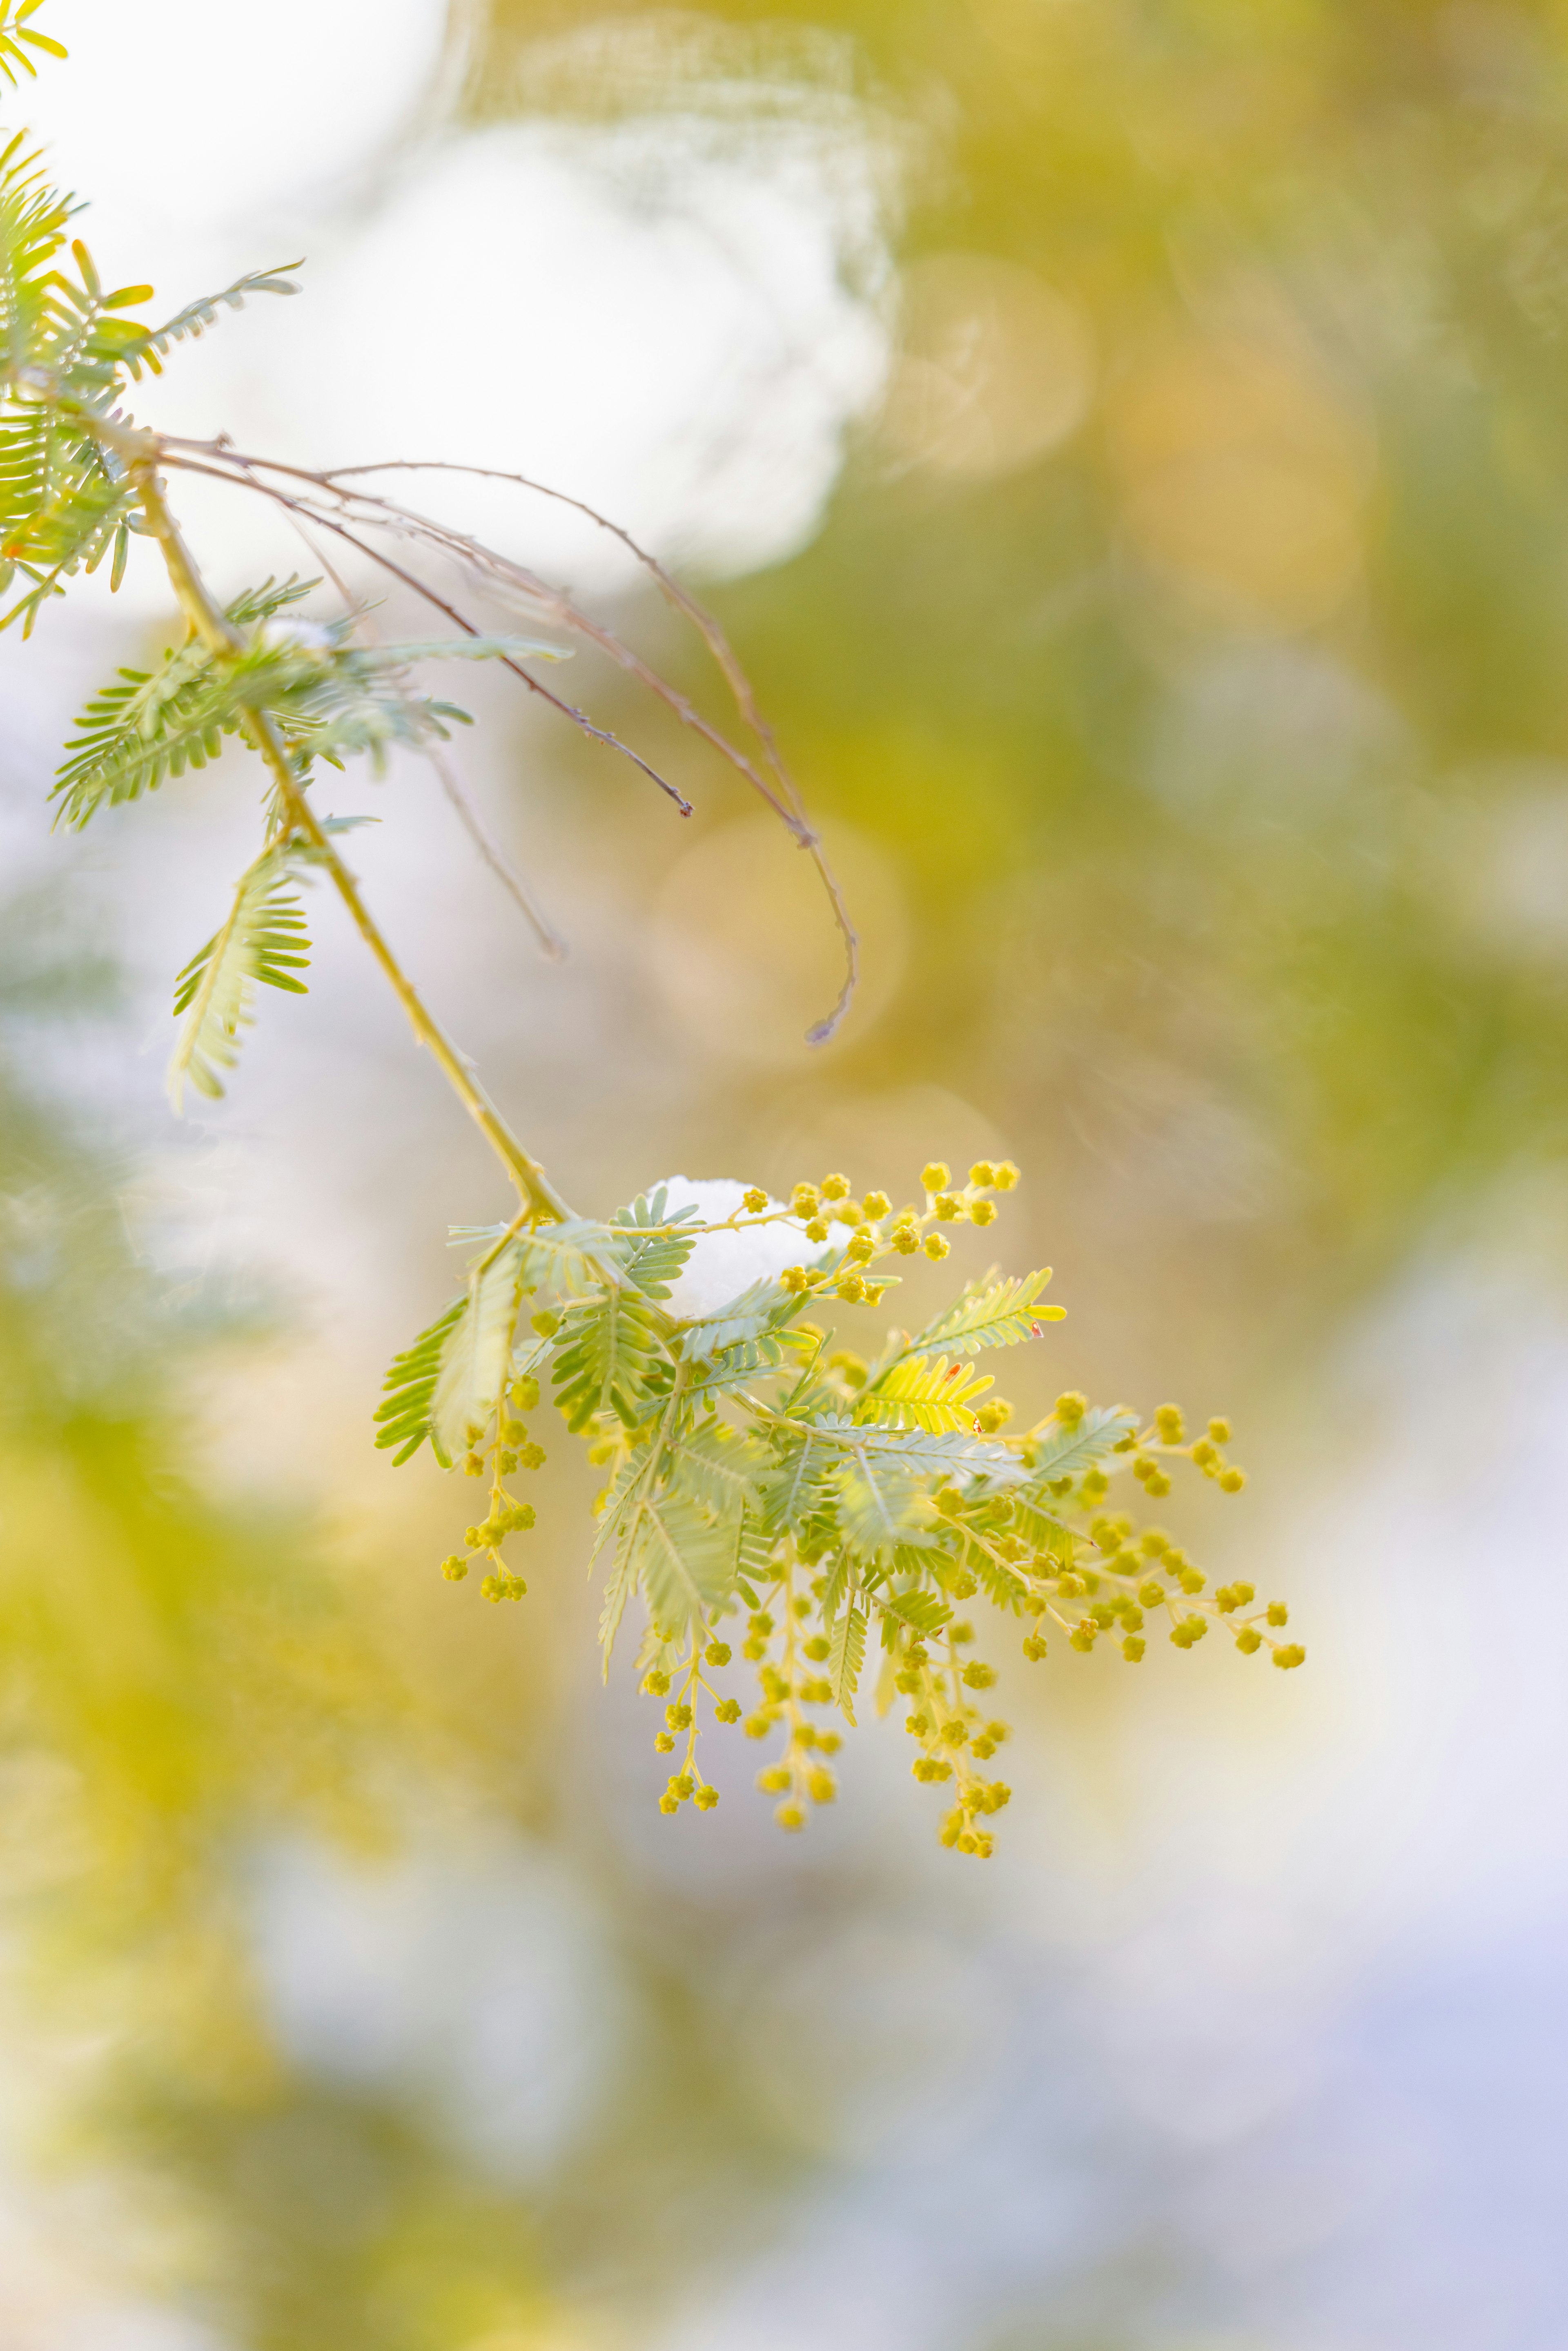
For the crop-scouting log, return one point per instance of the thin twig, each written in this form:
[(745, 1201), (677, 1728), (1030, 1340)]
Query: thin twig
[(551, 940), (785, 800), (244, 479)]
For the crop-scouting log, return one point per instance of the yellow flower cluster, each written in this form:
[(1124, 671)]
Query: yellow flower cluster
[(509, 1449), (1043, 1548), (875, 1233)]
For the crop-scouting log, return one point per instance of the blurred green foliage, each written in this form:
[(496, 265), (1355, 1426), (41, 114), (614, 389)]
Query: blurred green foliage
[(1220, 744)]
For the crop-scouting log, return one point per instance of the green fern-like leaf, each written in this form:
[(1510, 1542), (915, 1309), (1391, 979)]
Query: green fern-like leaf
[(406, 1417), (798, 1490), (949, 1453), (609, 1359), (477, 1357), (1066, 1450), (576, 1258), (684, 1563), (656, 1249), (194, 319), (991, 1314), (720, 1468), (845, 1659), (148, 726), (877, 1503), (754, 1555), (260, 944), (921, 1611), (754, 1315)]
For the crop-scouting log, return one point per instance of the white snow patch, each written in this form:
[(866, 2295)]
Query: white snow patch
[(723, 1264)]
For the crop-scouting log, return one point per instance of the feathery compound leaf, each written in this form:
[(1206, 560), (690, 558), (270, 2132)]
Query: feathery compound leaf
[(656, 1250), (797, 1490), (259, 944), (921, 1611), (1069, 1449), (919, 1393), (685, 1564), (477, 1352), (576, 1257), (609, 1359), (845, 1659), (754, 1316), (721, 1469), (754, 1551), (991, 1314), (617, 1592), (196, 317), (877, 1504), (157, 724), (410, 1388), (148, 727), (950, 1454)]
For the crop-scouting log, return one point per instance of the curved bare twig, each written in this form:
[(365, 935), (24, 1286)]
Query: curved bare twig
[(368, 511)]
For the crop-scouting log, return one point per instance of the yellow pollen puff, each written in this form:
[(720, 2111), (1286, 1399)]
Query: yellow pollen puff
[(936, 1245), (1220, 1431), (994, 1414), (983, 1173), (1277, 1612), (982, 1212), (875, 1204), (936, 1175), (1169, 1422), (948, 1206), (790, 1816), (1292, 1655), (1005, 1176), (905, 1239), (821, 1787), (1232, 1480), (1070, 1409), (835, 1187), (756, 1200), (816, 1231), (707, 1797), (793, 1279)]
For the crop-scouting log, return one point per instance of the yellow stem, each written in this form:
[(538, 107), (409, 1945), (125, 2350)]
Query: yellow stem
[(217, 631)]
